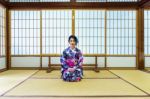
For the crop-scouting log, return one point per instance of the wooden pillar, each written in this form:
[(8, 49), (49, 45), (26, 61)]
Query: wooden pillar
[(49, 65), (73, 18), (40, 39), (140, 39), (73, 22), (96, 65), (8, 47), (105, 38)]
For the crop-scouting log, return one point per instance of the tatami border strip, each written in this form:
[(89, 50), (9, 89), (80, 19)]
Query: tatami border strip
[(83, 78), (62, 96)]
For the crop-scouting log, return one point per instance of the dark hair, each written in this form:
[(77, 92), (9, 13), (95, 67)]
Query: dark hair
[(74, 37)]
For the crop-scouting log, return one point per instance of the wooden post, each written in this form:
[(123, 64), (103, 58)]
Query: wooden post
[(105, 38), (96, 65), (73, 22), (49, 65), (41, 39), (8, 40), (140, 39)]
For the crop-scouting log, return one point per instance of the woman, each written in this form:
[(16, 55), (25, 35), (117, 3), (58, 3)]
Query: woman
[(71, 61)]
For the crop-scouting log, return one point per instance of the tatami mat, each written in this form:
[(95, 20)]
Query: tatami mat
[(138, 78), (43, 88), (11, 78), (17, 73), (87, 87), (74, 97), (87, 74)]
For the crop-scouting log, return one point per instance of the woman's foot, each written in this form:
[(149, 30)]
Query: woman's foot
[(78, 79)]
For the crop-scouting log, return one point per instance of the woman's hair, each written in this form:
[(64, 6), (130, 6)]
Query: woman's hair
[(74, 37)]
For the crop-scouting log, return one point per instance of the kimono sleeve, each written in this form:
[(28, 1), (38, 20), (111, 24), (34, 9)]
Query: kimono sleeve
[(80, 60), (63, 60)]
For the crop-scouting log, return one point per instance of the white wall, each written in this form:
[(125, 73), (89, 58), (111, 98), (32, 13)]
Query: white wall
[(121, 61), (25, 62), (111, 61), (2, 63), (147, 61)]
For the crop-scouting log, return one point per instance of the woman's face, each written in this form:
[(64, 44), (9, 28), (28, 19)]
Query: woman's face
[(72, 42)]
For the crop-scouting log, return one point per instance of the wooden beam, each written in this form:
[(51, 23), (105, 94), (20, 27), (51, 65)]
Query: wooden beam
[(85, 55), (140, 39), (144, 3), (2, 2), (73, 5)]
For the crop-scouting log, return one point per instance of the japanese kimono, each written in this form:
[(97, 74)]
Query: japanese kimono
[(71, 59)]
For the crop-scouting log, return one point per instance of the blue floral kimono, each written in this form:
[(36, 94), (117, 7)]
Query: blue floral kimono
[(75, 55)]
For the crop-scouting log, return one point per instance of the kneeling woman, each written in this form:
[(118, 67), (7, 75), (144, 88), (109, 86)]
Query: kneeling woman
[(71, 61)]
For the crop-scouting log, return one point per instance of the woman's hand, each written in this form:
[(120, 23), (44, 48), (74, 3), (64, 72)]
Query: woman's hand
[(71, 69), (75, 62)]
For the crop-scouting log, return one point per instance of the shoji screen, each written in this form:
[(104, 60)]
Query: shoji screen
[(90, 30), (2, 38), (25, 38), (25, 29), (121, 38), (56, 28), (100, 32), (147, 37)]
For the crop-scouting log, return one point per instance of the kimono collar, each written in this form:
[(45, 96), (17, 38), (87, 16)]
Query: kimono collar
[(72, 49)]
